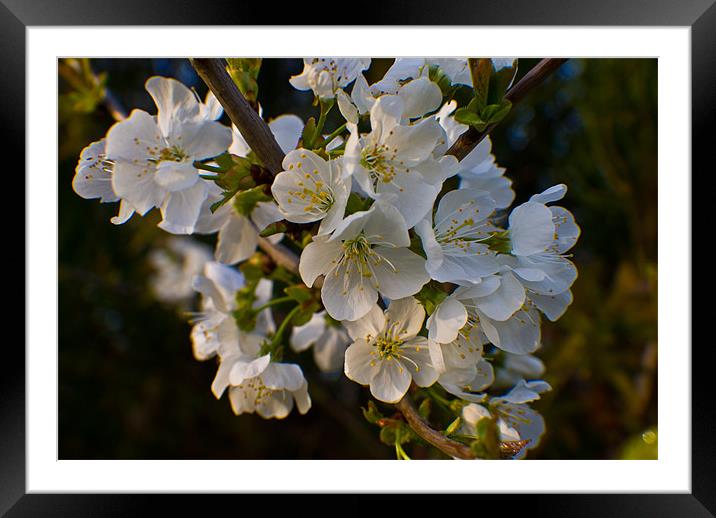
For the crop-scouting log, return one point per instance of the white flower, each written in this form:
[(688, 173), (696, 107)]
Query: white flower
[(478, 170), (238, 234), (387, 353), (420, 96), (539, 237), (258, 384), (175, 266), (311, 189), (328, 338), (216, 327), (463, 370), (515, 420), (153, 156), (395, 162), (367, 254), (453, 245), (497, 306), (326, 75)]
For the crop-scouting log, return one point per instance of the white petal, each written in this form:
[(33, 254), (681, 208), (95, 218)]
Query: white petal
[(566, 229), (503, 303), (553, 306), (554, 193), (346, 293), (368, 326), (286, 376), (519, 334), (318, 258), (419, 361), (421, 96), (91, 180), (302, 337), (126, 211), (173, 100), (180, 210), (391, 382), (244, 370), (303, 400), (407, 315), (531, 228), (237, 240), (446, 321), (360, 365), (287, 130), (135, 183), (176, 176), (134, 138), (401, 273), (201, 139), (385, 115), (346, 107)]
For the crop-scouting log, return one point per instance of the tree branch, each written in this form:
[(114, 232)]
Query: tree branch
[(252, 127), (427, 433), (534, 77)]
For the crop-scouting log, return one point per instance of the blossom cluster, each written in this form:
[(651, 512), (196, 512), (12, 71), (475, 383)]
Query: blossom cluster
[(426, 275)]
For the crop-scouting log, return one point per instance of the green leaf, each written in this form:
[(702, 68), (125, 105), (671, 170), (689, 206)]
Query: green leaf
[(494, 113), (430, 296), (307, 309), (299, 293), (245, 201), (465, 116), (480, 72)]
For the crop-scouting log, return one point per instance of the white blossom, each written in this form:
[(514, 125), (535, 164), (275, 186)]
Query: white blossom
[(367, 254), (154, 157), (539, 237), (395, 163), (310, 189), (497, 306), (326, 75), (387, 353), (463, 370), (454, 243)]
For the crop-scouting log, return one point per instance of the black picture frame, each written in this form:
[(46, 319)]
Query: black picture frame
[(700, 15)]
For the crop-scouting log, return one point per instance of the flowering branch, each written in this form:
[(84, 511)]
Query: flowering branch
[(252, 127), (534, 77), (259, 137), (428, 434)]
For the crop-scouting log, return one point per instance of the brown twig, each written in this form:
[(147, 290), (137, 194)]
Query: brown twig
[(428, 434), (471, 138), (252, 127)]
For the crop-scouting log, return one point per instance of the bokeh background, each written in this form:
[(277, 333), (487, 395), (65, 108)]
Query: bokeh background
[(129, 387)]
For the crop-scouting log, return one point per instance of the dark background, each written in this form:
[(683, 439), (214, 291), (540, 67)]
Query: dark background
[(130, 388)]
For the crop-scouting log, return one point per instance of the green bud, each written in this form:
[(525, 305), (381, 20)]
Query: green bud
[(245, 201), (371, 413), (299, 293)]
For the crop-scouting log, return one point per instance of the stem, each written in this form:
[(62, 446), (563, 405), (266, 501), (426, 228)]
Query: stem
[(273, 302), (332, 136), (534, 77), (252, 127), (428, 434), (279, 332)]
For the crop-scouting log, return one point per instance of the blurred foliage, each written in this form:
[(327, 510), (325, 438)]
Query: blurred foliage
[(130, 388)]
